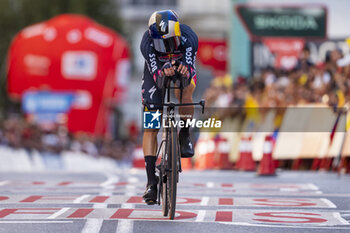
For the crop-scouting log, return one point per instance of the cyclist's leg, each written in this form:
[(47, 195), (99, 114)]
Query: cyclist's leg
[(150, 94), (186, 112), (149, 142)]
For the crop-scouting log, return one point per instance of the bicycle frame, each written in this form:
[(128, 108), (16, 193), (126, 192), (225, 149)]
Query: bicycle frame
[(170, 110), (171, 147)]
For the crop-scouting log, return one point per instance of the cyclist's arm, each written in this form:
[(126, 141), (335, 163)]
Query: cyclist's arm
[(148, 52), (191, 47)]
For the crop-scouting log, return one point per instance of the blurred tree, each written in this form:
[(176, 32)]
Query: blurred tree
[(17, 14)]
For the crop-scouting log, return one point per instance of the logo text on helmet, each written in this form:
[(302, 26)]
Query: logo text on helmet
[(162, 26)]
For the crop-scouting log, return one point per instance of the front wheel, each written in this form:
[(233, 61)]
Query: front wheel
[(164, 193), (173, 174), (163, 189)]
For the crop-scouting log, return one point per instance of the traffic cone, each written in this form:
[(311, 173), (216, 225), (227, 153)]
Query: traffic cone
[(186, 163), (222, 154), (200, 150), (205, 150), (344, 165), (138, 160), (326, 164), (267, 164), (315, 164), (245, 161), (242, 150)]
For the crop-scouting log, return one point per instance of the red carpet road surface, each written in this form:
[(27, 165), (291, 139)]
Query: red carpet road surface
[(208, 201)]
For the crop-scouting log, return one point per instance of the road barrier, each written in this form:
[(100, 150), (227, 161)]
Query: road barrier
[(20, 160), (324, 150), (303, 136)]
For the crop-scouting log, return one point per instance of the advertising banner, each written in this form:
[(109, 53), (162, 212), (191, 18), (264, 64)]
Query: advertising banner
[(70, 53), (285, 50), (308, 21), (264, 57), (213, 53), (47, 102)]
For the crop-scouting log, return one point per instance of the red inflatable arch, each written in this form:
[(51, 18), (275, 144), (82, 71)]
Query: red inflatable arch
[(71, 53)]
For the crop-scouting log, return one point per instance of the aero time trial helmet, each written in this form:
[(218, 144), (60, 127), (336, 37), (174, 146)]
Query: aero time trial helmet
[(164, 28)]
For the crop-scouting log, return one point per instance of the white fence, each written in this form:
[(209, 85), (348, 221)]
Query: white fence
[(19, 160)]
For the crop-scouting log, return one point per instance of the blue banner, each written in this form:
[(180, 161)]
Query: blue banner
[(47, 102)]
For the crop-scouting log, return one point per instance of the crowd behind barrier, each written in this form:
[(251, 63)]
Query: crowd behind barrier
[(28, 146), (267, 103)]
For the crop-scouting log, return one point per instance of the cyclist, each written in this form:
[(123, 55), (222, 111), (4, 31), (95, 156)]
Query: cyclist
[(165, 42)]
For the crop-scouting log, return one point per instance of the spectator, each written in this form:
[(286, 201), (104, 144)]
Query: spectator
[(304, 62), (326, 82)]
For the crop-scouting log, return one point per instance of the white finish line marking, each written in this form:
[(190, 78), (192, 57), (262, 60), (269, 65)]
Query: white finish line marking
[(108, 184), (58, 213), (205, 201), (92, 225), (32, 222), (328, 202), (282, 226), (133, 180), (111, 179), (200, 216), (127, 206), (210, 185), (103, 199), (79, 199), (125, 226), (312, 187), (5, 182), (130, 191), (100, 205), (338, 216), (289, 189)]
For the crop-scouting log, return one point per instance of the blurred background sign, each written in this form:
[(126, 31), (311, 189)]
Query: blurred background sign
[(284, 21), (286, 51), (263, 57), (47, 102), (47, 108), (213, 53), (70, 53)]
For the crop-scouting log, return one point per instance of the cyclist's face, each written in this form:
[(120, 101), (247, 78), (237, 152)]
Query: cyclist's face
[(167, 45)]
